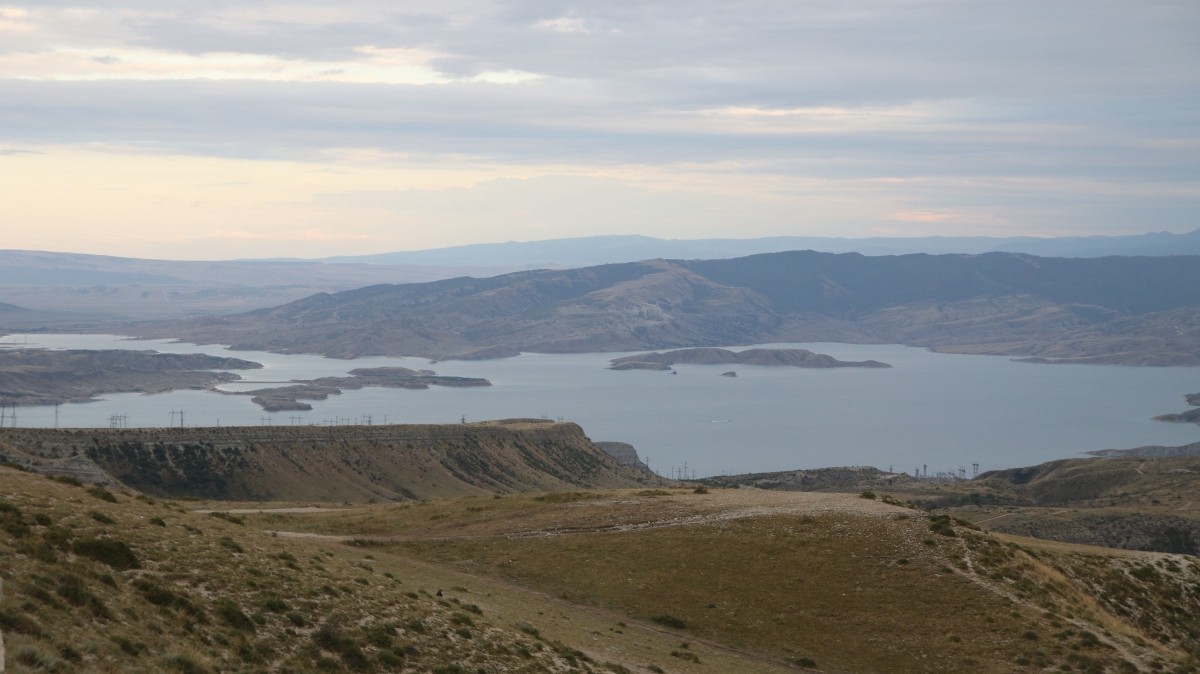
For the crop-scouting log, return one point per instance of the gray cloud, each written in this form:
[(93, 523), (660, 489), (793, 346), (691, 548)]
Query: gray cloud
[(1100, 91)]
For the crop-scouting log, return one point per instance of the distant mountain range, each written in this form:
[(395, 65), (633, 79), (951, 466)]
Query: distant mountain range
[(1132, 310), (73, 291), (594, 250)]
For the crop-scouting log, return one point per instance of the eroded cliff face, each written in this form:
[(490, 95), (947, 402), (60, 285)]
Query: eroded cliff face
[(345, 463)]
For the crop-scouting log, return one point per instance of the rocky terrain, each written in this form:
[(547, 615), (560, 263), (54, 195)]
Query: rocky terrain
[(341, 463), (1134, 311), (714, 356), (47, 377)]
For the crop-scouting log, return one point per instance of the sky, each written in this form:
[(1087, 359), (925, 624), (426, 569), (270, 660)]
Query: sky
[(232, 129)]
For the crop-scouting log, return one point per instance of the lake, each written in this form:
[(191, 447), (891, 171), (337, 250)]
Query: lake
[(942, 411)]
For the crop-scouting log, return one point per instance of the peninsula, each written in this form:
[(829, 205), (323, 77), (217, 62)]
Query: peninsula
[(50, 377)]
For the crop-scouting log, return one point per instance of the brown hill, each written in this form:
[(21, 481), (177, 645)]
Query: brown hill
[(1123, 310), (343, 463)]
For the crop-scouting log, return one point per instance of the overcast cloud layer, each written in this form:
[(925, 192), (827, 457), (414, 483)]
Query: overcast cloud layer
[(233, 129)]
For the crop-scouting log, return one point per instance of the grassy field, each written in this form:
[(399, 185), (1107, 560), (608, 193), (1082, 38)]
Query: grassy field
[(830, 581)]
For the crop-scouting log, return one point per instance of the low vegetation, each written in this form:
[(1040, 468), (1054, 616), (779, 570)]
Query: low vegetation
[(640, 580)]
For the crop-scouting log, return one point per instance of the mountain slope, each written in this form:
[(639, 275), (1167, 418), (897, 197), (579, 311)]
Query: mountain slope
[(1127, 310)]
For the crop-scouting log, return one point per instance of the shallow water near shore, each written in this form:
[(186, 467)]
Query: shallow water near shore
[(942, 411)]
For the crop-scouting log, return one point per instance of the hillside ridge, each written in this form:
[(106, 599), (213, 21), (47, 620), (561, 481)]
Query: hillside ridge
[(1136, 311), (341, 463)]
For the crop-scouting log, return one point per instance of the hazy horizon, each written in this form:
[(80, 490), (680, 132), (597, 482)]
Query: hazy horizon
[(223, 131)]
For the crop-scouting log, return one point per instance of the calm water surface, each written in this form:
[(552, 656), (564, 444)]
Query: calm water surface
[(940, 410)]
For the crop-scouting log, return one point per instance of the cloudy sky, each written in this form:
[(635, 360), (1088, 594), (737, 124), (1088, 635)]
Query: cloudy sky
[(221, 129)]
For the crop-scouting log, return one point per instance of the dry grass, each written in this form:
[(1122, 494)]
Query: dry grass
[(634, 580), (207, 594)]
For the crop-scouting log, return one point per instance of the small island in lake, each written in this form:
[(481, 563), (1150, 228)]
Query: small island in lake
[(712, 356), (289, 397)]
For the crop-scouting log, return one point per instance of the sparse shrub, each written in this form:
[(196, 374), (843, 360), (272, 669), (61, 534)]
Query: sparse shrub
[(231, 545), (228, 517), (128, 646), (101, 517), (808, 663), (231, 614), (108, 551), (668, 620), (42, 519), (20, 623), (72, 588), (297, 619), (382, 635), (185, 664), (940, 524), (158, 522), (686, 655), (701, 489), (102, 494), (274, 605), (67, 479), (12, 520), (868, 495), (36, 659)]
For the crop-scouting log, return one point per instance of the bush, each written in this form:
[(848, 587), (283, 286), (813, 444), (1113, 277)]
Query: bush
[(940, 524), (101, 517), (230, 544), (668, 620), (186, 665), (231, 614), (20, 623), (107, 551), (228, 517), (102, 494)]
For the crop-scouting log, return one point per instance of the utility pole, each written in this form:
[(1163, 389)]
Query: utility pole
[(56, 406)]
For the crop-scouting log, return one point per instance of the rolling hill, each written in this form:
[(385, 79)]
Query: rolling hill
[(1141, 311), (616, 581)]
